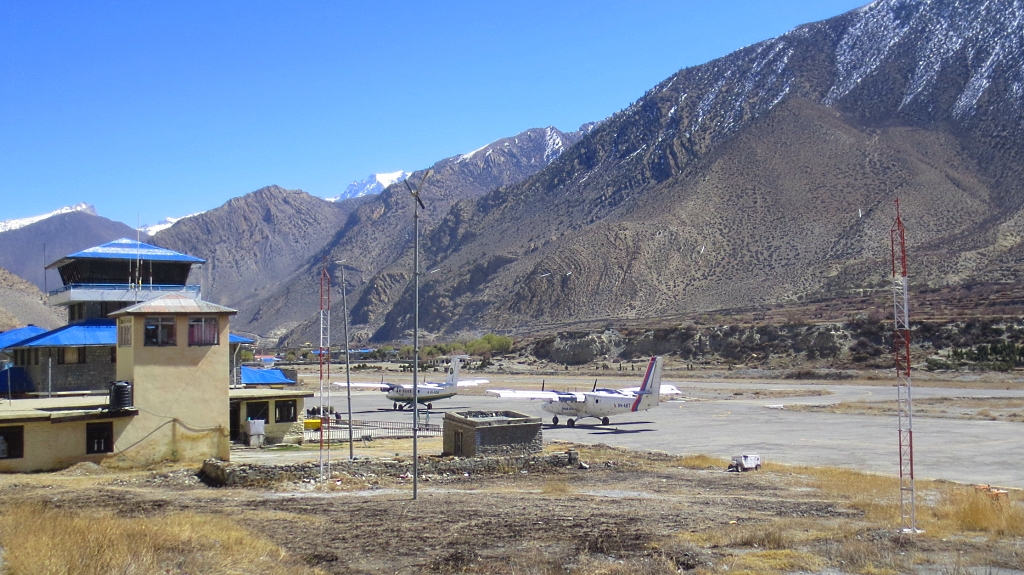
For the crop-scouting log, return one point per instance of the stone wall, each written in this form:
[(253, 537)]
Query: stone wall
[(95, 374), (223, 474)]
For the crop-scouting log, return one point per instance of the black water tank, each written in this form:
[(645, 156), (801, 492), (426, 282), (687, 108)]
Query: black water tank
[(120, 395)]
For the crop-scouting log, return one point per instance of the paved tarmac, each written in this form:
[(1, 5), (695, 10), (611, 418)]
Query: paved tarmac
[(954, 449)]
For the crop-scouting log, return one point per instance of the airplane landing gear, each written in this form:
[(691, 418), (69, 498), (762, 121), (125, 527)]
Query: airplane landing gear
[(394, 406), (570, 422), (401, 406), (554, 420), (604, 421), (430, 406)]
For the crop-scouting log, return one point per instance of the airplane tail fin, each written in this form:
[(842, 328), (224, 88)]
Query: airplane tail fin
[(650, 389), (453, 371)]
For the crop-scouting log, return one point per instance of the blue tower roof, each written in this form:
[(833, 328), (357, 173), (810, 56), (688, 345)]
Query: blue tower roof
[(126, 249)]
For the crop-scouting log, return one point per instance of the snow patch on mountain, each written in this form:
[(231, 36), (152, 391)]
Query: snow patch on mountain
[(163, 224), (8, 225), (372, 184)]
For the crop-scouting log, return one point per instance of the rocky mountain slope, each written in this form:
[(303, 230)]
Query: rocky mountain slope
[(24, 250), (378, 233), (21, 303), (763, 176), (254, 242)]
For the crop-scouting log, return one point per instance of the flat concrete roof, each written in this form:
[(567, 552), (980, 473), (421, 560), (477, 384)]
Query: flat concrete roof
[(59, 409), (262, 393)]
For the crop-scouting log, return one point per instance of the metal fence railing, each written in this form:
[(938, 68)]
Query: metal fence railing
[(336, 430)]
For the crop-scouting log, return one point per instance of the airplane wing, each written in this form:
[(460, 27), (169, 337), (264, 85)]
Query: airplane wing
[(473, 382), (365, 385), (523, 394)]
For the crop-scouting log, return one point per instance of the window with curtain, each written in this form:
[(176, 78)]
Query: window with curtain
[(203, 331)]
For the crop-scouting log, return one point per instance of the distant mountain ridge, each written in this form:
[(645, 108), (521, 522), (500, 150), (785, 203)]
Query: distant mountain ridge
[(26, 250), (377, 234), (372, 184), (738, 182), (8, 225)]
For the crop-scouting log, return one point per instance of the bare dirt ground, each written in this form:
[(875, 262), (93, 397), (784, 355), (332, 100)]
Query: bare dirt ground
[(976, 408), (627, 512)]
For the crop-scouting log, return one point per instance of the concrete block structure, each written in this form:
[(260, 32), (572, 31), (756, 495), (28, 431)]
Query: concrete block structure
[(475, 433)]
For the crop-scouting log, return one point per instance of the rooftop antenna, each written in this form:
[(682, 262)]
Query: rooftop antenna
[(416, 330), (901, 352)]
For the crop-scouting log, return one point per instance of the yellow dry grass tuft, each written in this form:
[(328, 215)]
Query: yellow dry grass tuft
[(40, 540), (775, 561), (701, 462), (968, 509), (557, 487)]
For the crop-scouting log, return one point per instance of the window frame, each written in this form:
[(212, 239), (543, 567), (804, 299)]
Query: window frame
[(15, 449), (202, 327), (291, 405), (124, 332), (63, 353), (166, 331), (265, 409), (102, 431)]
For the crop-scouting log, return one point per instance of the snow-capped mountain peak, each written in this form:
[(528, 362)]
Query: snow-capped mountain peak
[(8, 225), (372, 184)]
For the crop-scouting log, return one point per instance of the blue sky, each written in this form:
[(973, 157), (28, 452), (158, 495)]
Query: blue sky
[(156, 109)]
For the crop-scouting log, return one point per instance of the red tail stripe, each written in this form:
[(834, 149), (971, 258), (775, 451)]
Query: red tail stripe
[(643, 388)]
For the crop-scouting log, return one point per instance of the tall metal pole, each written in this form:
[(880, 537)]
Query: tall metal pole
[(901, 352), (416, 352), (416, 333), (348, 380), (325, 347)]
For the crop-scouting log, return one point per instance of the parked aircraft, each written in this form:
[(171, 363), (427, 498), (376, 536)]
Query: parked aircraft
[(599, 403), (429, 392)]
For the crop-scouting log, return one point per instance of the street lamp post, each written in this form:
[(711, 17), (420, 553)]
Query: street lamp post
[(416, 332)]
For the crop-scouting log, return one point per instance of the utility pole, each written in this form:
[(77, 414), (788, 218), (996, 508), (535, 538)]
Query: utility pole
[(416, 332), (325, 348), (348, 379)]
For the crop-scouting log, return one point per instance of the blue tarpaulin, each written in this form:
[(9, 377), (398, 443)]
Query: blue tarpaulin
[(88, 332), (239, 339), (18, 378), (256, 376), (11, 337)]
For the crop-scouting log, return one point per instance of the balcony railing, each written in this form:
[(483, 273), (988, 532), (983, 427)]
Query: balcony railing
[(127, 287)]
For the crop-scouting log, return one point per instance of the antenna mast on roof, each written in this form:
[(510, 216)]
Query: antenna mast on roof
[(901, 351)]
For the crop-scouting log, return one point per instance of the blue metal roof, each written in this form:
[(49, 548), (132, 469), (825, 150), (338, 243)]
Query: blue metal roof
[(11, 337), (125, 248), (239, 339), (88, 332), (255, 376)]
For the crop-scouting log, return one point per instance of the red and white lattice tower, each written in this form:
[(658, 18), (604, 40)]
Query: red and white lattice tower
[(901, 349), (324, 354)]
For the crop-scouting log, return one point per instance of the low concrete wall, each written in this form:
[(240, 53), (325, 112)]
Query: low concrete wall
[(223, 474)]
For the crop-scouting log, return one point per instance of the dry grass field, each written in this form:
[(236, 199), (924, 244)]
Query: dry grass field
[(629, 512)]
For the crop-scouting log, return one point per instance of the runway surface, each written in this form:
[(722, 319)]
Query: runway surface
[(720, 424)]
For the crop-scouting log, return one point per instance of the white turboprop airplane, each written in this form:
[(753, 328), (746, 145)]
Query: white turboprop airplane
[(598, 404), (429, 392)]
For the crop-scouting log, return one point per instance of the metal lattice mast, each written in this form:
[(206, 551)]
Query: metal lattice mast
[(901, 351), (325, 351)]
